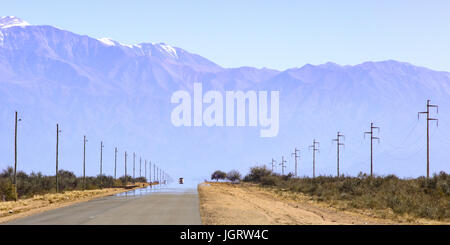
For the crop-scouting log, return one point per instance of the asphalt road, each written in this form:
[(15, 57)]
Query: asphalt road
[(157, 206)]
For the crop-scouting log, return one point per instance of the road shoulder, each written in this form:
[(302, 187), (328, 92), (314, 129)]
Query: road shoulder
[(246, 204)]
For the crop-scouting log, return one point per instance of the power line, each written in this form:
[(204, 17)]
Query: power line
[(115, 162), (296, 156), (57, 144), (273, 164), (314, 149), (428, 130), (371, 145), (15, 156), (126, 168), (283, 166), (338, 144), (84, 161)]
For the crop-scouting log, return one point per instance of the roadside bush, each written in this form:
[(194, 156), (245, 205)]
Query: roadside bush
[(217, 175), (421, 197), (6, 190), (234, 176), (270, 180), (256, 174), (37, 183)]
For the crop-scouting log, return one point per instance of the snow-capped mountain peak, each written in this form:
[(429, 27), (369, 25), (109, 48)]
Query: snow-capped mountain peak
[(168, 49), (10, 21), (162, 47)]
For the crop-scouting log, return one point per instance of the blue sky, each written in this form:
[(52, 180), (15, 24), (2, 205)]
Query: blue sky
[(273, 34)]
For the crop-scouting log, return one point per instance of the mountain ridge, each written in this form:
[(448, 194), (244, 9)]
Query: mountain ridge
[(121, 94)]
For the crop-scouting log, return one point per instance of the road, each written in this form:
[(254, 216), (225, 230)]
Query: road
[(166, 205)]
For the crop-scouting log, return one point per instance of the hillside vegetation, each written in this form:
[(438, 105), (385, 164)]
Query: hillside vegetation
[(32, 184), (420, 197)]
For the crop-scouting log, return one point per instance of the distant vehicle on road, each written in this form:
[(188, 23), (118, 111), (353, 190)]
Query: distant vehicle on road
[(181, 181)]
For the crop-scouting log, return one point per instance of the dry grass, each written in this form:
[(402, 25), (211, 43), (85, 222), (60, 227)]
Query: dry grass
[(412, 198), (246, 203), (250, 204)]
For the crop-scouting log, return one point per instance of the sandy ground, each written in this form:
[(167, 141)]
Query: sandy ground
[(245, 204), (39, 203)]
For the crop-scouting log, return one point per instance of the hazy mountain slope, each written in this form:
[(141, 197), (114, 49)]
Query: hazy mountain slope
[(121, 94)]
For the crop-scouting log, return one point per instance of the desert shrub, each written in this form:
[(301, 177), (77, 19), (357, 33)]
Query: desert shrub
[(6, 190), (269, 180), (234, 176), (140, 179), (256, 174), (420, 197), (218, 175), (37, 183)]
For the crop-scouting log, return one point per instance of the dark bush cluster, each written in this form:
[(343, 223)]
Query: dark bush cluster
[(257, 174), (233, 176), (37, 183)]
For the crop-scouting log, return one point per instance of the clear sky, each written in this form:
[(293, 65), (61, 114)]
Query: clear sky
[(275, 34)]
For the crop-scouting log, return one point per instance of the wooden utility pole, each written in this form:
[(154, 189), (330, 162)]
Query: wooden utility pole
[(126, 168), (273, 163), (428, 131), (314, 149), (371, 145), (84, 162), (57, 143), (115, 162), (101, 163), (338, 144), (15, 157), (134, 165), (282, 165), (296, 156)]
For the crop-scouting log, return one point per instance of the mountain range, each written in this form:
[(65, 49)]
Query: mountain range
[(120, 94)]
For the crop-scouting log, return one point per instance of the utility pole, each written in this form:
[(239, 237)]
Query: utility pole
[(428, 131), (296, 156), (115, 162), (134, 165), (15, 156), (154, 172), (126, 168), (338, 144), (57, 143), (84, 162), (282, 165), (371, 145), (273, 163), (101, 163), (150, 172), (314, 149)]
